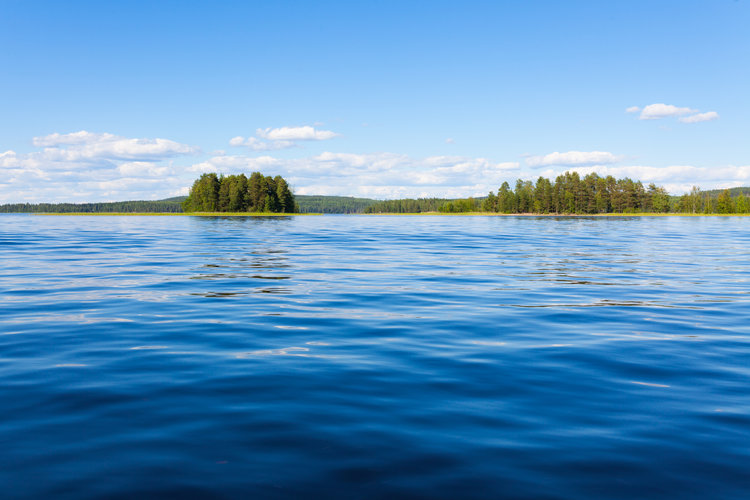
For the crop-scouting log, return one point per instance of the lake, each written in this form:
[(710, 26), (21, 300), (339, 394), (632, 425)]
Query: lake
[(374, 356)]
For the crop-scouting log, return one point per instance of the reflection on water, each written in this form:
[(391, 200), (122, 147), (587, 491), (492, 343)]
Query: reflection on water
[(218, 294), (238, 271), (430, 357)]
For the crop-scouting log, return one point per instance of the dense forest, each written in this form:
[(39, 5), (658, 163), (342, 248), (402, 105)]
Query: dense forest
[(237, 193), (571, 194), (407, 206), (161, 206), (332, 204)]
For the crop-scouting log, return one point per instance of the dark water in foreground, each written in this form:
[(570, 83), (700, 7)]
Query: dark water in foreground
[(353, 356)]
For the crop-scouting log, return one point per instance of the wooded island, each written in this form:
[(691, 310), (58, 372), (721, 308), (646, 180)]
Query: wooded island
[(237, 193)]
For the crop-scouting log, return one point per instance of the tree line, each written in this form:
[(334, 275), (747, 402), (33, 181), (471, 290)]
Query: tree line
[(332, 204), (593, 194), (570, 193), (237, 193), (140, 206), (407, 206), (725, 201)]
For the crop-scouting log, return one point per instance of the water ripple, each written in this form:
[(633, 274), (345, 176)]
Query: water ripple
[(440, 357)]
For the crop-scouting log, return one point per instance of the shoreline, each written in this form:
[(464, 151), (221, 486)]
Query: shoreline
[(457, 214), (170, 214), (494, 214)]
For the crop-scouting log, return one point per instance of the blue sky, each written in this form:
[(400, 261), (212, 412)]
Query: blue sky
[(125, 100)]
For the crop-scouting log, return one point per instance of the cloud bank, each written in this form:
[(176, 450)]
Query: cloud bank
[(87, 167)]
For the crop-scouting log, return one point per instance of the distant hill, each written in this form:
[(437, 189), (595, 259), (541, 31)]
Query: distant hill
[(732, 191), (714, 193)]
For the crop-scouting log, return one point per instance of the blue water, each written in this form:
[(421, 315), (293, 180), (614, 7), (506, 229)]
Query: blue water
[(372, 357)]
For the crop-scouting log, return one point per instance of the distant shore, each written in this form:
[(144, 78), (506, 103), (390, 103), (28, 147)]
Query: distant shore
[(495, 214), (177, 214), (457, 214)]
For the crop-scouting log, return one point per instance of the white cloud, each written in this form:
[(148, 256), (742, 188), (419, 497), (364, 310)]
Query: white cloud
[(573, 158), (700, 117), (8, 159), (85, 145), (661, 110), (80, 137), (305, 133), (257, 145), (87, 166), (143, 169), (281, 138), (450, 140), (237, 141)]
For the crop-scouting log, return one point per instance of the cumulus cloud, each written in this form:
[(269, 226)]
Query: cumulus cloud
[(256, 144), (573, 158), (88, 166), (661, 110), (281, 138), (85, 145), (700, 117), (305, 133), (80, 137), (143, 169)]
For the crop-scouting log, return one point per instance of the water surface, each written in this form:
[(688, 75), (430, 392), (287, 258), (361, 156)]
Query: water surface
[(374, 356)]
